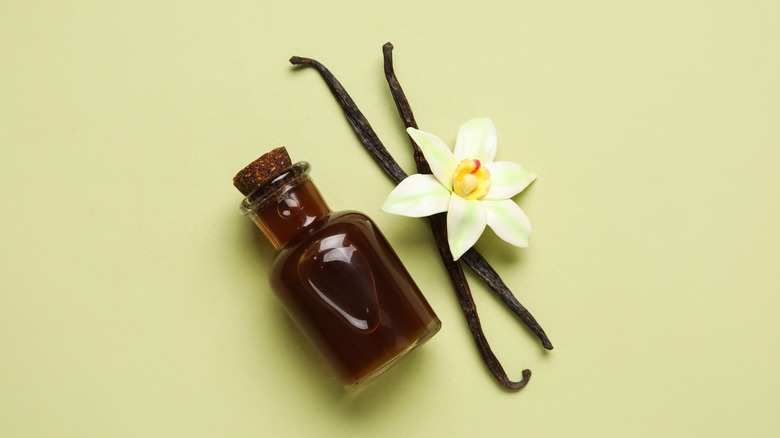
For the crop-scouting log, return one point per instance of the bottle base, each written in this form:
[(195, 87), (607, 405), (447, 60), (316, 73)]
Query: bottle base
[(428, 333)]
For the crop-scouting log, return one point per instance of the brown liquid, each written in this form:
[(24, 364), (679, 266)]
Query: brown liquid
[(344, 286)]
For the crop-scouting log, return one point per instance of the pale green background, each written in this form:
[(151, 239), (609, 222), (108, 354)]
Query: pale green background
[(133, 296)]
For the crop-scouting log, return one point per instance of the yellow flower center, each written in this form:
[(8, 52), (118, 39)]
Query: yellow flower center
[(471, 181)]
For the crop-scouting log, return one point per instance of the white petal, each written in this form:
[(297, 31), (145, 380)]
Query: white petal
[(417, 196), (477, 140), (507, 179), (466, 221), (437, 153), (508, 221)]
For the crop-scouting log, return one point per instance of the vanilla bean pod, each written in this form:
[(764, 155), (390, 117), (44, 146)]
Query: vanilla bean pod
[(372, 143), (460, 284), (490, 277), (472, 258), (358, 121)]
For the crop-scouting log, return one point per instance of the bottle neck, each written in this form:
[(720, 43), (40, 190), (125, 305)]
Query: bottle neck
[(288, 208)]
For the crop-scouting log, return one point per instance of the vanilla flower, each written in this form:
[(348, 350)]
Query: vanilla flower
[(474, 190)]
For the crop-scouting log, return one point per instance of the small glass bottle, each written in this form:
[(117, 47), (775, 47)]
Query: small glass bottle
[(338, 279)]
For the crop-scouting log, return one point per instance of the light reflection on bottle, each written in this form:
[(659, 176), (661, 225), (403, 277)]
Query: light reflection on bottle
[(338, 274)]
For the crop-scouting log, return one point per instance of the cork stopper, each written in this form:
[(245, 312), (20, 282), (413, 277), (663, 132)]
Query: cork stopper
[(262, 170)]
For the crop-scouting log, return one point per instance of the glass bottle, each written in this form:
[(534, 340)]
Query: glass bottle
[(339, 279)]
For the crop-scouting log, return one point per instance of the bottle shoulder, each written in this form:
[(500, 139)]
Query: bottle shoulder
[(349, 216), (347, 222)]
